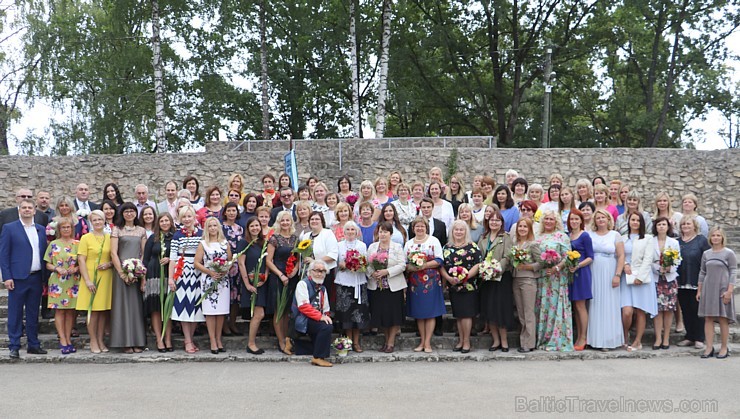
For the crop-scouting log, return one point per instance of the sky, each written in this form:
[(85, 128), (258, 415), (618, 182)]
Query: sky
[(36, 118)]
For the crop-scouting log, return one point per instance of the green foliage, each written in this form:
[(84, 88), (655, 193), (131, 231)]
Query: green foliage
[(452, 166)]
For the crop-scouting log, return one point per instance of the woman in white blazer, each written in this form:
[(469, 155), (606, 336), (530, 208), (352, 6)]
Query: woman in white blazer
[(386, 283), (665, 280), (325, 249), (637, 289)]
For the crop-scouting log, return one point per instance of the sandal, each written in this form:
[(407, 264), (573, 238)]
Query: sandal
[(189, 347), (389, 349), (357, 349)]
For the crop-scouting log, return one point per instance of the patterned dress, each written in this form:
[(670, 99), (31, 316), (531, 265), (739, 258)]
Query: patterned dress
[(217, 302), (554, 322), (187, 287), (283, 247), (62, 289), (463, 297), (424, 295), (233, 234)]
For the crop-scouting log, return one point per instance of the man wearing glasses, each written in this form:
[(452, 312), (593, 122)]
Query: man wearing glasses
[(12, 214), (286, 198), (310, 310)]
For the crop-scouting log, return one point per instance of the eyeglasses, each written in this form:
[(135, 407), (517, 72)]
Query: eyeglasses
[(319, 271), (286, 196), (25, 196)]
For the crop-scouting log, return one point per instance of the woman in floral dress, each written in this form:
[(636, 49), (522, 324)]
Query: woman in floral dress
[(64, 282), (233, 232), (425, 297), (554, 323), (462, 252), (279, 249)]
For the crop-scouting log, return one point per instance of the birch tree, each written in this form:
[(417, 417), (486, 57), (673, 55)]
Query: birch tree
[(383, 79)]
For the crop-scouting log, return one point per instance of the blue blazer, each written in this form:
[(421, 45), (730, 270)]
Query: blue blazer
[(16, 253)]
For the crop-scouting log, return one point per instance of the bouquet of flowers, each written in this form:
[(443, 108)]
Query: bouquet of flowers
[(490, 269), (83, 213), (417, 258), (572, 258), (51, 229), (519, 255), (304, 248), (354, 261), (133, 270), (379, 261), (351, 200), (459, 273), (342, 343), (220, 265), (257, 278), (670, 257), (550, 258)]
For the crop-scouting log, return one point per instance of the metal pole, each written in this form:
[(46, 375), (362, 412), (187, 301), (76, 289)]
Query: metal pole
[(546, 107)]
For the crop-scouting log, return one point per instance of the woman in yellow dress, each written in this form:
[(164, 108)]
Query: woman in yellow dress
[(93, 252)]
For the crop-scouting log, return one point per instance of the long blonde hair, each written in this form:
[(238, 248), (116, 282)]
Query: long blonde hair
[(219, 235)]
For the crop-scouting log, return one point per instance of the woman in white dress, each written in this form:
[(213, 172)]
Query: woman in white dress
[(605, 318), (214, 249)]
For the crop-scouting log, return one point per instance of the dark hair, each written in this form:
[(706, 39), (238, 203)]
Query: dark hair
[(248, 237), (321, 216), (304, 188), (603, 181), (396, 221), (154, 211), (384, 225), (118, 199), (641, 230), (551, 187), (344, 177), (314, 178), (517, 181), (529, 204), (246, 199), (487, 225), (267, 176), (427, 200), (197, 185), (441, 190), (156, 231), (509, 200), (285, 175), (669, 233), (587, 204), (227, 206), (119, 221), (112, 205)]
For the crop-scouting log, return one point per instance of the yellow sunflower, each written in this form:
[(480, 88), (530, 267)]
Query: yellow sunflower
[(304, 244)]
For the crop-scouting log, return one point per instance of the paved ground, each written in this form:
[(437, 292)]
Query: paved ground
[(399, 389)]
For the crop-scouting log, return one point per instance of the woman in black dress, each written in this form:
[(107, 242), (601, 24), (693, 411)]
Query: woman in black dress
[(156, 259), (279, 248), (249, 262)]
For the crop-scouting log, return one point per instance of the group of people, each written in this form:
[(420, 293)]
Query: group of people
[(580, 266)]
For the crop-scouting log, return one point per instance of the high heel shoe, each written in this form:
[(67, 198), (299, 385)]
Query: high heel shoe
[(579, 347), (214, 351), (723, 356), (709, 355)]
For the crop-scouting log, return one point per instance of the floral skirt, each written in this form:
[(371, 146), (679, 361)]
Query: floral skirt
[(667, 294), (352, 313)]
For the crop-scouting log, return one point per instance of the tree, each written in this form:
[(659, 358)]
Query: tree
[(383, 79)]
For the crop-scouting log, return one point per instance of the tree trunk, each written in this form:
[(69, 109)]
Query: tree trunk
[(383, 81), (4, 126), (158, 84), (263, 73), (356, 125)]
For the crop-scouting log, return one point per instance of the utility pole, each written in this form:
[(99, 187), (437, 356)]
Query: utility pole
[(548, 92)]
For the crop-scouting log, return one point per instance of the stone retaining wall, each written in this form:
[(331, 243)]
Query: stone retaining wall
[(713, 176)]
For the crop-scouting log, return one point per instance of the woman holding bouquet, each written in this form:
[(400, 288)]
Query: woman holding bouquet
[(664, 275), (64, 282), (156, 258), (128, 325), (554, 328), (251, 264), (282, 275), (605, 317), (462, 259), (525, 274), (424, 296), (579, 289), (183, 278), (325, 248), (386, 283), (715, 293), (212, 258), (93, 252), (233, 232), (497, 296), (352, 307)]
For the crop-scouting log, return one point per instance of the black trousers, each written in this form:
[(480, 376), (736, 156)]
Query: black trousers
[(691, 320), (320, 334)]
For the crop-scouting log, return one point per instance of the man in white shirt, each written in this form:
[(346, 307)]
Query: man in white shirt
[(142, 198), (22, 245)]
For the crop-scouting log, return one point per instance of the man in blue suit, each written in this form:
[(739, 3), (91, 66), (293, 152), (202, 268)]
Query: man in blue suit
[(22, 247)]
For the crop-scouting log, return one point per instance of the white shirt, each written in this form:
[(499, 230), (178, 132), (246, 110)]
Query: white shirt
[(325, 244), (33, 237), (301, 297), (82, 205)]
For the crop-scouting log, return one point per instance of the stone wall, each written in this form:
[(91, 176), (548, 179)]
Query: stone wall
[(714, 176)]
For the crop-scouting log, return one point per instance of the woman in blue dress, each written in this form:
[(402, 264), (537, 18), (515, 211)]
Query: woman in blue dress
[(579, 288), (605, 320), (509, 211), (249, 261), (638, 298), (425, 297)]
